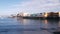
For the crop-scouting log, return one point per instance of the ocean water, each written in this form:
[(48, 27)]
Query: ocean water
[(28, 26)]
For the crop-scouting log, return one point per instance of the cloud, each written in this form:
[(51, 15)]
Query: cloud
[(36, 6)]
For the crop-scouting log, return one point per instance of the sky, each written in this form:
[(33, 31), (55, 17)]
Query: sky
[(8, 7)]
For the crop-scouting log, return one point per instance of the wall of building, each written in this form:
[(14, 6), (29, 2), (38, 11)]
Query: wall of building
[(59, 14)]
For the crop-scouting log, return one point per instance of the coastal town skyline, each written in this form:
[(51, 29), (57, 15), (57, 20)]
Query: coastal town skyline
[(8, 7)]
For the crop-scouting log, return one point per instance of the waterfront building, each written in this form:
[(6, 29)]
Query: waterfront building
[(40, 15), (23, 14), (51, 14), (33, 15), (45, 14), (59, 14)]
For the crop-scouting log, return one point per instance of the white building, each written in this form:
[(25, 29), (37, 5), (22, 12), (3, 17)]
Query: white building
[(24, 14), (59, 14)]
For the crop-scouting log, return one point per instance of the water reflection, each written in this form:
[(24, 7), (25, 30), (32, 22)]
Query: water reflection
[(59, 24), (23, 21), (22, 26), (40, 23), (46, 23), (50, 23)]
